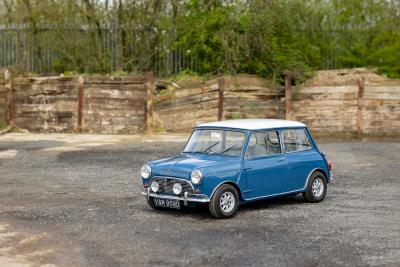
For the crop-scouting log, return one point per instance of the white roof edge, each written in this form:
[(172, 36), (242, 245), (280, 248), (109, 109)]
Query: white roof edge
[(253, 124)]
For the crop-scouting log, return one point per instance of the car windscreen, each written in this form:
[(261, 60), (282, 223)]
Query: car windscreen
[(216, 141)]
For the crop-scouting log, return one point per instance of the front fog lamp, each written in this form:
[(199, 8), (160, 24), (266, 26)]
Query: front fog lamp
[(154, 186), (177, 188), (196, 176), (145, 171)]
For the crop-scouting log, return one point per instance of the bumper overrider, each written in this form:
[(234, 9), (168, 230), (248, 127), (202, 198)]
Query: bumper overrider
[(197, 198)]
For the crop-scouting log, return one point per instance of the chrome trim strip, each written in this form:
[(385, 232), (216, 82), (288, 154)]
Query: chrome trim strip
[(185, 199), (284, 193)]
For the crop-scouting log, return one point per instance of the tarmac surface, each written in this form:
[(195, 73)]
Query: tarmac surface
[(74, 200)]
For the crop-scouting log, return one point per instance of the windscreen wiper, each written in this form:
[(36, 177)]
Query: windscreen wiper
[(227, 149), (213, 145)]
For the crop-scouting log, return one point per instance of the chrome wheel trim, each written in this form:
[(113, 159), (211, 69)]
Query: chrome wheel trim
[(227, 202), (317, 187)]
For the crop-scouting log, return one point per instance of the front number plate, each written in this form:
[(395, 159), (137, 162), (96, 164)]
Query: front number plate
[(167, 203)]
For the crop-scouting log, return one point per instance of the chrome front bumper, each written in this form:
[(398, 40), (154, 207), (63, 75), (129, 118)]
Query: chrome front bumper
[(198, 198)]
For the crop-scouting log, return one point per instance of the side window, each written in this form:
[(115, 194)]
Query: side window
[(295, 140), (263, 144)]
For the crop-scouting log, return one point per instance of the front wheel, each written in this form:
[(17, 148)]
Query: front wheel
[(225, 202), (316, 188)]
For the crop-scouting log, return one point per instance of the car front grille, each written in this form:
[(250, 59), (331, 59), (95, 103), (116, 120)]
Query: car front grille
[(166, 184)]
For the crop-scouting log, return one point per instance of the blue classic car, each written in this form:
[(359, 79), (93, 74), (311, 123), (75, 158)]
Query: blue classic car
[(227, 163)]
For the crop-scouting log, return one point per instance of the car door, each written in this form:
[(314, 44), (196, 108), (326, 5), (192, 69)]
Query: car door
[(299, 155), (266, 170)]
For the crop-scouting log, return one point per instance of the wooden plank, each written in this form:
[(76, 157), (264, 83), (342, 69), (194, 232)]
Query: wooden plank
[(116, 80), (189, 108), (327, 89), (188, 100)]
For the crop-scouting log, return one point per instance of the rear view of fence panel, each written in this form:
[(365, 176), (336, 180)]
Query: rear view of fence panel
[(181, 109), (45, 104), (114, 105), (52, 104)]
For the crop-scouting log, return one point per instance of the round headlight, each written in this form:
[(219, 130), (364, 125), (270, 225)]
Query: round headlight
[(196, 176), (177, 188), (154, 186), (145, 171)]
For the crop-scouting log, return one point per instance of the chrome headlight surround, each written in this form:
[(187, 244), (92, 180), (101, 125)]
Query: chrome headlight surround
[(154, 186), (145, 171), (177, 188), (196, 176)]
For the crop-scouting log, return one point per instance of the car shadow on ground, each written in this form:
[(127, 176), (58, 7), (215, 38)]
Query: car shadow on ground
[(202, 212)]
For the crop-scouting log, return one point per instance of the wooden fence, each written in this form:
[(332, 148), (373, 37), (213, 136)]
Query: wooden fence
[(75, 104), (348, 101), (228, 97), (354, 101)]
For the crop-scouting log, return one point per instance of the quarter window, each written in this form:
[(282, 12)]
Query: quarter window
[(295, 140), (263, 144)]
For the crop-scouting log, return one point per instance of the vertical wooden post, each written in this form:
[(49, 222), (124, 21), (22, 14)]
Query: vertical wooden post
[(360, 119), (8, 76), (81, 82), (288, 97), (150, 85), (221, 85)]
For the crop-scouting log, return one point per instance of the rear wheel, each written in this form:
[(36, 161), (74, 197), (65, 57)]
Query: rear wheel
[(225, 202), (316, 188)]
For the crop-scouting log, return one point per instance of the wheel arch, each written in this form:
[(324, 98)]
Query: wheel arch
[(232, 184), (316, 170), (323, 172)]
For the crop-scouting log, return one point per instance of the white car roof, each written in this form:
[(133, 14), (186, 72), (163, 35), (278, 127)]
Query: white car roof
[(253, 124)]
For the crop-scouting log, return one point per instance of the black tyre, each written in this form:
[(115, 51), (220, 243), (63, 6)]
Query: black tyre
[(150, 201), (225, 202), (316, 188)]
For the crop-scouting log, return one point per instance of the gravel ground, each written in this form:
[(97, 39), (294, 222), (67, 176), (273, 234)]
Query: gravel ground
[(73, 200)]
